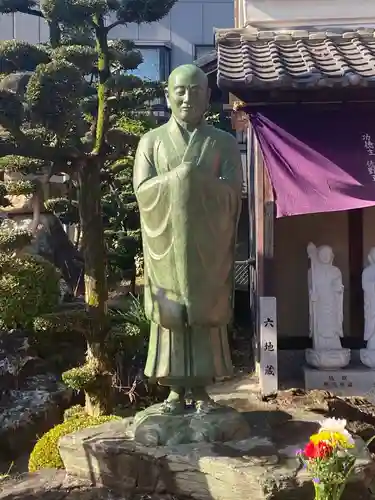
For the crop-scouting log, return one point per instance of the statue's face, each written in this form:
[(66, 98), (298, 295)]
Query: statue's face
[(188, 94), (326, 255)]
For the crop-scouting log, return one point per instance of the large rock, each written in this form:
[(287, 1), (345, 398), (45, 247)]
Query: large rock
[(153, 428), (30, 411), (31, 401), (254, 468)]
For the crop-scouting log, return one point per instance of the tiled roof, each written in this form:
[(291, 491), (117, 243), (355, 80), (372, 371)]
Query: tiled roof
[(208, 62), (298, 59)]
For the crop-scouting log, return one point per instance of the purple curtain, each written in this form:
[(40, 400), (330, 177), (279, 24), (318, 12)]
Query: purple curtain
[(319, 159)]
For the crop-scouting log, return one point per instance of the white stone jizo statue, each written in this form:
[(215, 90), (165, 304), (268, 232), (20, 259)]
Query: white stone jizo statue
[(368, 285), (326, 294)]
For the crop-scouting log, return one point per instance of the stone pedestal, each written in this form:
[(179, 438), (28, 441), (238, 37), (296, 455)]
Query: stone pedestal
[(152, 428), (355, 380), (330, 359), (368, 357), (255, 468)]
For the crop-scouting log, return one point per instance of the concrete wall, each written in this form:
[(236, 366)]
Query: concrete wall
[(292, 235), (189, 23), (290, 13)]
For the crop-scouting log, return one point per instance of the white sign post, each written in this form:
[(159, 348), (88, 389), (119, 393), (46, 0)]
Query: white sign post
[(268, 374)]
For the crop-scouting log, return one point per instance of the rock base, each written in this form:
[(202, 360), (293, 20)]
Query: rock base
[(153, 428), (253, 468)]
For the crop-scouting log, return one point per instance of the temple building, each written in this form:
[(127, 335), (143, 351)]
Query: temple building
[(302, 81)]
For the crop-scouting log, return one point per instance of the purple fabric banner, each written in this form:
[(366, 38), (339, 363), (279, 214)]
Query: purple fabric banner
[(318, 159)]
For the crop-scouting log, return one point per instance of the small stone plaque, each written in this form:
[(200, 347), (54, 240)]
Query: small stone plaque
[(351, 381)]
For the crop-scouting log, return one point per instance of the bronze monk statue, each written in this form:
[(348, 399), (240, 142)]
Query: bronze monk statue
[(187, 180)]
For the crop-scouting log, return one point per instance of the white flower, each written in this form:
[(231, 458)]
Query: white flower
[(336, 425), (333, 424)]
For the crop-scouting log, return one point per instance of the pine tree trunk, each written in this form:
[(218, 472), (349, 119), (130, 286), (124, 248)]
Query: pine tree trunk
[(99, 394)]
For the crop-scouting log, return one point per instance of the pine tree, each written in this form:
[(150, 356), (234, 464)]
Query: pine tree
[(59, 107), (122, 222)]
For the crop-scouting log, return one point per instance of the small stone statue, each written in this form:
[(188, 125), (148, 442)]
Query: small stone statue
[(326, 293), (187, 180), (368, 285)]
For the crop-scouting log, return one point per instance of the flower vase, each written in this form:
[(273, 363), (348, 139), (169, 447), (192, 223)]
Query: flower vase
[(325, 491)]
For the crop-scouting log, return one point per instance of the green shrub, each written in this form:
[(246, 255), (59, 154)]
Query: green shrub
[(45, 454), (14, 240), (80, 377), (29, 287), (63, 322)]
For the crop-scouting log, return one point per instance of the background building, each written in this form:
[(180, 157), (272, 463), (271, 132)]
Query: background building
[(185, 34), (286, 14)]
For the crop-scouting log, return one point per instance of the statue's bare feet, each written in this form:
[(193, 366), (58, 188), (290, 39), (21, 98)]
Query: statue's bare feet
[(174, 407), (206, 406), (175, 403), (202, 401)]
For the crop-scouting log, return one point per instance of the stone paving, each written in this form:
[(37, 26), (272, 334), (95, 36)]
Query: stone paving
[(56, 485)]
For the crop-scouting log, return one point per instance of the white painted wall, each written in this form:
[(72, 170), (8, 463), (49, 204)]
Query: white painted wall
[(189, 23), (270, 14)]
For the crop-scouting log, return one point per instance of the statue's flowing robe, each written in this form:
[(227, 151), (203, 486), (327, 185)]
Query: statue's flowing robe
[(326, 306), (189, 195)]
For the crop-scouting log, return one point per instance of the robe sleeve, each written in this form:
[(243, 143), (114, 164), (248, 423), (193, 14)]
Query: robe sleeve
[(144, 168), (337, 283)]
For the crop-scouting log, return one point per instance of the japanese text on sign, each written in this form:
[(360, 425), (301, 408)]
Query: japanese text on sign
[(268, 374), (369, 145), (269, 322), (371, 168), (269, 370), (370, 150), (336, 383), (268, 346)]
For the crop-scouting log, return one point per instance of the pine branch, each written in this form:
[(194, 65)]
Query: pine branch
[(24, 7), (31, 150), (114, 25), (21, 187), (31, 12), (11, 240)]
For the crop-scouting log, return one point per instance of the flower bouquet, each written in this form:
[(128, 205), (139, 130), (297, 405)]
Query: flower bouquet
[(329, 459)]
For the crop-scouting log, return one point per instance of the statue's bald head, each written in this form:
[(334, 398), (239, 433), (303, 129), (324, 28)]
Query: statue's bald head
[(188, 93), (188, 73)]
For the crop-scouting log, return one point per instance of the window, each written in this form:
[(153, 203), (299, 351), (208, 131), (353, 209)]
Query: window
[(203, 50), (156, 64)]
